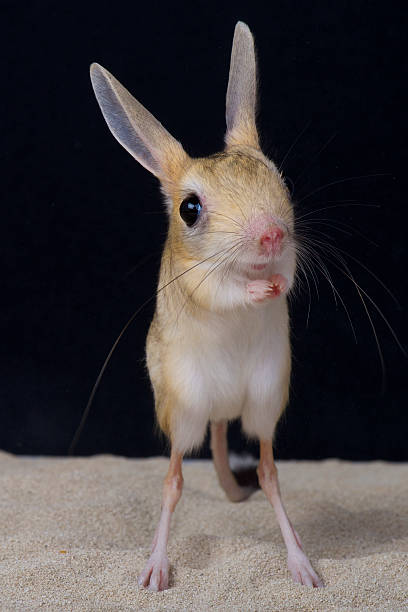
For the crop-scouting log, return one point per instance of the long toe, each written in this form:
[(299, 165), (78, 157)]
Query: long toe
[(302, 570), (155, 575)]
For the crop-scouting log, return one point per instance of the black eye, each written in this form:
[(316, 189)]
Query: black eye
[(190, 209)]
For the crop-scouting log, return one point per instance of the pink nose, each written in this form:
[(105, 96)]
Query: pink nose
[(271, 240)]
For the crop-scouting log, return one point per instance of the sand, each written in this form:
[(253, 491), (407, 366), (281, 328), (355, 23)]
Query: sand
[(76, 532)]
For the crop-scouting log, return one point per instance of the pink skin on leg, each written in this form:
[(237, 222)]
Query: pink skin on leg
[(264, 289), (155, 575), (298, 563)]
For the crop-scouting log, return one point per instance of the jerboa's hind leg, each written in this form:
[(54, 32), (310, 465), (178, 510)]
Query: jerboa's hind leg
[(219, 448), (298, 563), (155, 575)]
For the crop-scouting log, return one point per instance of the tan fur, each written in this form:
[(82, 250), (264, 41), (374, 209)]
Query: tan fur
[(218, 347), (230, 179), (235, 186)]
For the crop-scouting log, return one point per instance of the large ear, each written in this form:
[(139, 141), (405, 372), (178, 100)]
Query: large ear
[(241, 92), (136, 129)]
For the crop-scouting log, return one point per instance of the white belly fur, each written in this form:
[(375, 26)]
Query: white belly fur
[(234, 365)]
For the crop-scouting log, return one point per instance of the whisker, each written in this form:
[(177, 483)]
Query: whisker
[(340, 181), (315, 157), (333, 251), (325, 273), (228, 266), (206, 232), (234, 248), (140, 263), (344, 205), (328, 277), (216, 264), (298, 137), (301, 250), (375, 305), (213, 212), (383, 285), (309, 223), (115, 344), (300, 267), (314, 231), (359, 292), (332, 223)]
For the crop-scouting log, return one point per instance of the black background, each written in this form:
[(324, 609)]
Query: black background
[(83, 223)]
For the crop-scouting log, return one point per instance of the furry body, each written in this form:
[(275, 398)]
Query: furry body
[(218, 347), (217, 366), (212, 353)]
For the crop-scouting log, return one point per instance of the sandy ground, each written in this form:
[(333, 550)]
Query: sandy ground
[(76, 532)]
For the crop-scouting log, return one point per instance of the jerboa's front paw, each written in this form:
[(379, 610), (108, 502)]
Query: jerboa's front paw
[(261, 289)]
